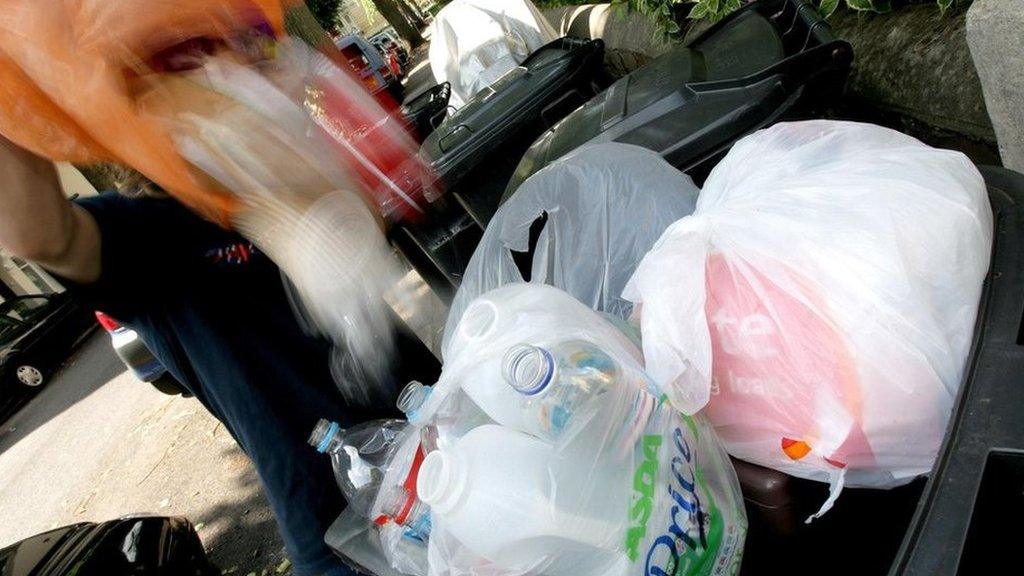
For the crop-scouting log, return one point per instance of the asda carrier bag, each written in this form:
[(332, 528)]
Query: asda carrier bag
[(820, 302), (553, 453)]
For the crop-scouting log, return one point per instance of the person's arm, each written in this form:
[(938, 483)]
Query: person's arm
[(38, 223)]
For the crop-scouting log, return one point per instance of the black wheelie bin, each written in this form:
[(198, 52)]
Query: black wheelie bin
[(472, 154), (771, 60), (427, 110)]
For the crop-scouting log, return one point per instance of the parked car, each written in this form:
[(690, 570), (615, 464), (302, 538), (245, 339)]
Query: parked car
[(137, 356), (396, 55), (388, 35), (369, 64), (37, 333), (153, 546)]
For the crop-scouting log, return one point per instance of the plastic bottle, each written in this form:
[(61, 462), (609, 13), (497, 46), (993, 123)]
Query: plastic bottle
[(412, 397), (482, 381), (497, 492), (360, 456), (568, 384), (451, 420)]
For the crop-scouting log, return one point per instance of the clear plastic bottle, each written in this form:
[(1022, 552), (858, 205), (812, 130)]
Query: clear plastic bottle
[(361, 456), (412, 397), (560, 384), (453, 418)]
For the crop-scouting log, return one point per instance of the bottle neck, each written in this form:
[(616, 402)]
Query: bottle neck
[(412, 397), (325, 436), (528, 369)]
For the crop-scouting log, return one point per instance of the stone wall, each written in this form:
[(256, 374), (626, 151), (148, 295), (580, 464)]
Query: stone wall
[(631, 39), (995, 32)]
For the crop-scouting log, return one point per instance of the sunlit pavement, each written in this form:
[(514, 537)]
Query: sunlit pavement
[(96, 444)]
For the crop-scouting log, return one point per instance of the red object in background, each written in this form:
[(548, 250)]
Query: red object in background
[(108, 323), (372, 138), (396, 66), (379, 148)]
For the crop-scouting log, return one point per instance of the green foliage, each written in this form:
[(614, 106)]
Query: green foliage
[(326, 13), (713, 10)]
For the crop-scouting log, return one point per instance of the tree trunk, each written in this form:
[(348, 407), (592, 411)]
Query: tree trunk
[(411, 13), (393, 13)]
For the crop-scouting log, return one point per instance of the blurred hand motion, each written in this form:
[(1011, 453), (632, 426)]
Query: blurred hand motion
[(245, 111)]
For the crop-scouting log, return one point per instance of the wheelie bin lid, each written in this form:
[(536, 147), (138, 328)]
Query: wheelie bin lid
[(477, 129), (694, 101)]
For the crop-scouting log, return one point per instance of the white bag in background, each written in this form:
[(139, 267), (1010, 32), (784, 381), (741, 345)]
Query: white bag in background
[(606, 204), (475, 42), (821, 300)]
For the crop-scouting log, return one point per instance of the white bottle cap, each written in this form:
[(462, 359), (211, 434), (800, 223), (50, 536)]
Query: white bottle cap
[(442, 480)]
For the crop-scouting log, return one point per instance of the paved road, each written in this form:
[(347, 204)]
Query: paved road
[(96, 444)]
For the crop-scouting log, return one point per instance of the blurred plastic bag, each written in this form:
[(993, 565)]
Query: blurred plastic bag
[(258, 125), (360, 544), (606, 205), (821, 300), (251, 131), (588, 470), (475, 42), (68, 74)]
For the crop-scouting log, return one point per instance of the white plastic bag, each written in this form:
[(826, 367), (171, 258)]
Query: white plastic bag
[(606, 205), (622, 484), (475, 42), (821, 300)]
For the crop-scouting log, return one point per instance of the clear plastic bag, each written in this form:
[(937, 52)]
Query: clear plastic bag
[(376, 464), (475, 42), (580, 466), (606, 205), (821, 300)]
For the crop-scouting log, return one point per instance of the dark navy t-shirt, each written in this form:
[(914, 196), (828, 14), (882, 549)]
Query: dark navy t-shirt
[(214, 310)]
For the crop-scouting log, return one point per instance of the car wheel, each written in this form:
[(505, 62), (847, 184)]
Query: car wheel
[(29, 376)]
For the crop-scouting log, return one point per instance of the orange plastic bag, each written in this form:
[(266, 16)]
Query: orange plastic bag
[(71, 72)]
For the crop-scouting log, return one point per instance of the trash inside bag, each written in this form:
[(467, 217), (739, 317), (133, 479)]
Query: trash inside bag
[(606, 205), (821, 300), (367, 547), (475, 42), (246, 112), (568, 459), (376, 465)]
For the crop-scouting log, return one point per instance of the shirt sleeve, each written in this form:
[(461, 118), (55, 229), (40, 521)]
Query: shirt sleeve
[(138, 262)]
